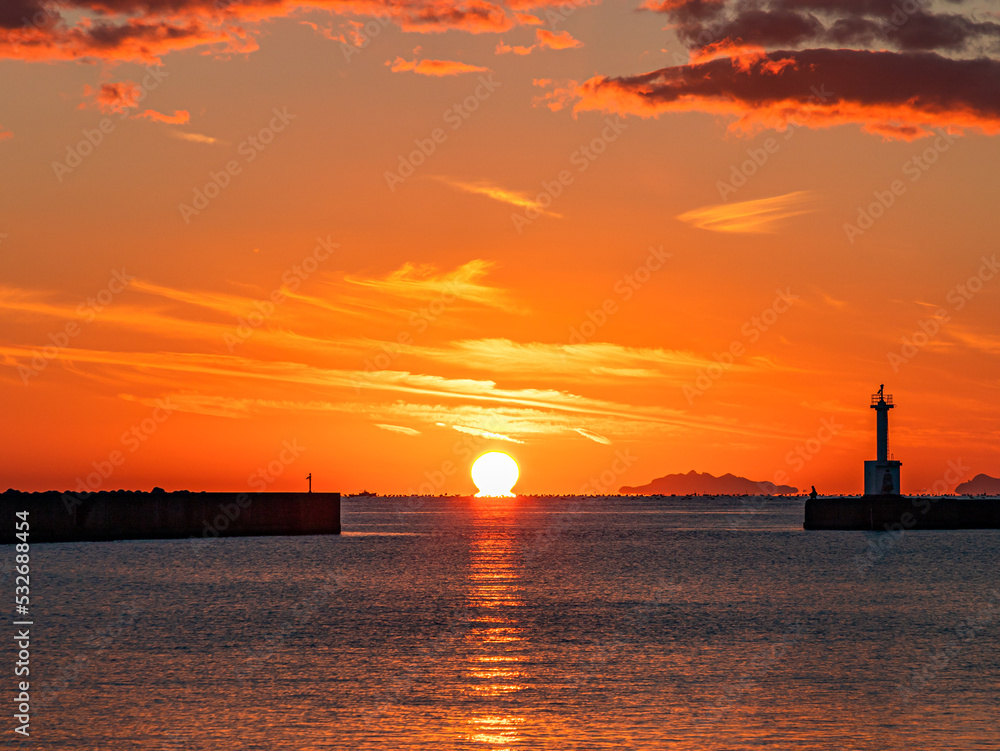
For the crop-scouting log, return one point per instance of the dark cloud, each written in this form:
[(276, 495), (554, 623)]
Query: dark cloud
[(901, 24), (19, 13), (144, 30), (895, 94)]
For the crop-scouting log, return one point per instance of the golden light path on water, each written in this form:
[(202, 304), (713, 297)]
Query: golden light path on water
[(495, 643)]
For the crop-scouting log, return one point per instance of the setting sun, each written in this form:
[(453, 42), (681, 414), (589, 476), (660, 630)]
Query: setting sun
[(494, 474)]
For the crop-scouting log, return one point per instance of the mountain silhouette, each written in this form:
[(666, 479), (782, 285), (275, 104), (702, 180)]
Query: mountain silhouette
[(706, 484), (979, 485)]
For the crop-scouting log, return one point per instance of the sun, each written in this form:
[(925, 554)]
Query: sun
[(494, 474)]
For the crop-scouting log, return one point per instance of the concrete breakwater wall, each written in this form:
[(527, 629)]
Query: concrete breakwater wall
[(132, 515), (893, 512)]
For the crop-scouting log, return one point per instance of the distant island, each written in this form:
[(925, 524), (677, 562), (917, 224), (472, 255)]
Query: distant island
[(706, 484), (979, 485)]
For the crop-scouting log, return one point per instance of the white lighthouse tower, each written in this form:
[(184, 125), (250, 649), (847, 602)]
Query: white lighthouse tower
[(882, 475)]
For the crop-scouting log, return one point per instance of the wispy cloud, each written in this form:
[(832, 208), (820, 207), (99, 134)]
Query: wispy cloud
[(178, 118), (233, 370), (574, 361), (832, 301), (761, 215), (425, 281), (397, 429), (986, 343), (545, 40), (485, 433), (596, 437), (513, 197), (193, 137), (434, 67)]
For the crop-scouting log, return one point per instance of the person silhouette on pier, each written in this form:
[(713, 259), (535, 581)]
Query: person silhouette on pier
[(812, 493)]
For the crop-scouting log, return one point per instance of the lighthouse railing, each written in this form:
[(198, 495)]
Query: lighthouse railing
[(876, 398)]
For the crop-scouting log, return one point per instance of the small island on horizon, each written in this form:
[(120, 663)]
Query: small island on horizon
[(703, 483)]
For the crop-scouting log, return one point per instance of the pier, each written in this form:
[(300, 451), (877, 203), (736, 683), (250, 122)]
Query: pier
[(135, 515), (883, 508)]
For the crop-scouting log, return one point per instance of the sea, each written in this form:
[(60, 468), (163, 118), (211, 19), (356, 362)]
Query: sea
[(701, 624)]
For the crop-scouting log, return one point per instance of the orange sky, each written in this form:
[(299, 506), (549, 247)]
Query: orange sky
[(370, 241)]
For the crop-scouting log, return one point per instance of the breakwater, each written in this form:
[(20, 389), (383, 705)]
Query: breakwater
[(895, 512), (132, 515)]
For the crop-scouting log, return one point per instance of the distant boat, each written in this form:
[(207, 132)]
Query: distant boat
[(366, 494)]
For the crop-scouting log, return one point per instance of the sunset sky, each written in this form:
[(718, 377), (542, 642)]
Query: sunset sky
[(371, 239)]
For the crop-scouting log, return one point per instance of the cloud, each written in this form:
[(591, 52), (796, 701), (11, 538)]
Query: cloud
[(832, 301), (574, 361), (397, 429), (193, 137), (181, 313), (556, 40), (760, 215), (986, 343), (434, 67), (485, 433), (233, 370), (503, 48), (597, 437), (115, 97), (178, 118), (5, 134), (513, 197), (890, 68), (118, 97), (113, 34), (897, 95), (544, 40), (146, 30), (492, 421), (423, 282), (874, 24)]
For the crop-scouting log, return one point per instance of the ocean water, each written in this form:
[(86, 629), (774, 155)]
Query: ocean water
[(527, 623)]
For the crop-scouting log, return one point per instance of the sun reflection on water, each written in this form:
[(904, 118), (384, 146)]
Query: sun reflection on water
[(496, 645)]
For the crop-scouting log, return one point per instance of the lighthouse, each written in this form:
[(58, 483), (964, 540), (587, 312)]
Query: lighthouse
[(882, 475)]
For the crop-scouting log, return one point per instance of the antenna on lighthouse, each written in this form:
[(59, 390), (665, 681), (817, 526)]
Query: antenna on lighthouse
[(309, 477)]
